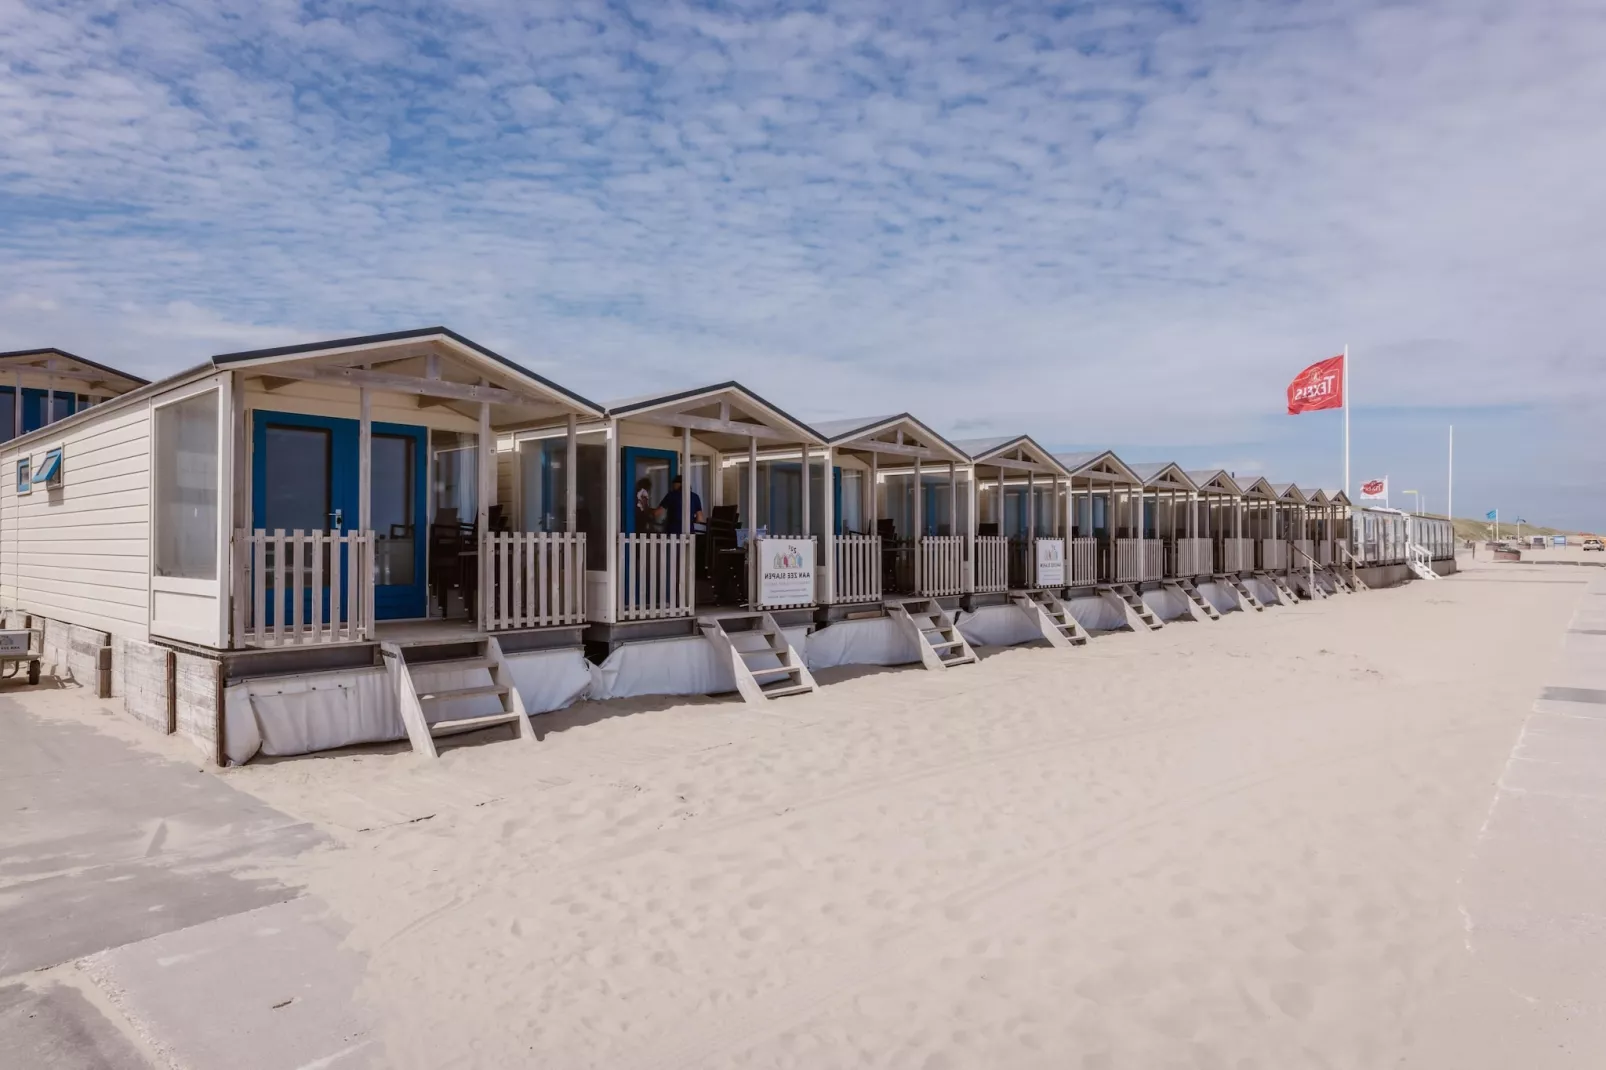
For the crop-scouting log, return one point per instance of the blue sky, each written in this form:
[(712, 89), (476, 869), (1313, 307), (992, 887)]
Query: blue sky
[(1118, 225)]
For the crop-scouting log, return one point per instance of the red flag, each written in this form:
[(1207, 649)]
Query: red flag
[(1320, 386)]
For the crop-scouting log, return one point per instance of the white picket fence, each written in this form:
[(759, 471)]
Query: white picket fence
[(532, 579), (1153, 559), (1081, 561), (1273, 556), (992, 563), (1237, 555), (300, 588), (656, 576), (942, 564), (858, 568), (1128, 566), (1190, 557)]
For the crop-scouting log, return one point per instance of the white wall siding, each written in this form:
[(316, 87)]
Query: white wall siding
[(81, 552)]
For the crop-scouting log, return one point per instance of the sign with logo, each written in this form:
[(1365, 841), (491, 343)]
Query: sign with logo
[(1375, 488), (1320, 386), (1051, 562), (785, 571), (14, 642)]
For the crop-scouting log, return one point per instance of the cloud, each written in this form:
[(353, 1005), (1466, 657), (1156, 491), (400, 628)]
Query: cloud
[(1095, 224)]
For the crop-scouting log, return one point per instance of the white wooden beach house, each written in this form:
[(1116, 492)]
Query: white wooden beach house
[(314, 547), (1174, 520)]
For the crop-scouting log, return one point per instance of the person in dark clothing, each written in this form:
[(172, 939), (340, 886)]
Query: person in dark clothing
[(669, 509)]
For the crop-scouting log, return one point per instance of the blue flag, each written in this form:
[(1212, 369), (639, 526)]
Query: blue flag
[(1491, 514)]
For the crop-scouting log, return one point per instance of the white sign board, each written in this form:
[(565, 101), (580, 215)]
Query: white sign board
[(785, 571), (1051, 562), (14, 642)]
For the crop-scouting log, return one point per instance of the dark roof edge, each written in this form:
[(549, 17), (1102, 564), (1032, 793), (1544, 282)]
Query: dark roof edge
[(403, 336), (938, 435), (82, 360), (729, 384)]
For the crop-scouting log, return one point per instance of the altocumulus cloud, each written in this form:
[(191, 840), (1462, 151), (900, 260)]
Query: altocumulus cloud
[(1026, 217)]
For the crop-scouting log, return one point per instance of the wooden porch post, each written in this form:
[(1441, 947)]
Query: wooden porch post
[(1031, 509), (873, 496), (571, 478), (487, 491), (918, 524), (970, 533), (998, 500), (50, 400), (806, 481), (827, 563), (685, 481), (365, 459), (953, 499), (611, 511), (16, 402), (752, 521), (1054, 508)]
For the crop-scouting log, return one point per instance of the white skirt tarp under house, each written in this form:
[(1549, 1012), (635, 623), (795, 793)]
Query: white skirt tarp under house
[(321, 711)]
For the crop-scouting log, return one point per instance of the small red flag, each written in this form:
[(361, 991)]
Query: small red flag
[(1320, 386)]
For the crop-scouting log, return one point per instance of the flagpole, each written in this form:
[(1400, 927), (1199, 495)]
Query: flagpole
[(1449, 509), (1346, 419)]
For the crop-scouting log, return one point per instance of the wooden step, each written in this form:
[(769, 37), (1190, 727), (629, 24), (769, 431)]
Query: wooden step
[(442, 694), (782, 690), (472, 724), (779, 670), (455, 665)]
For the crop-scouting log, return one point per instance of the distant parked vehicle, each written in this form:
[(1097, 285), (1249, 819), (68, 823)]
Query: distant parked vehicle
[(1594, 544)]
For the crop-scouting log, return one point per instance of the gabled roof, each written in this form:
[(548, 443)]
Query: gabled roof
[(74, 365), (451, 340), (862, 430), (1317, 497), (1288, 492), (1216, 479), (729, 394), (1164, 475), (1338, 497), (1103, 465), (1256, 487), (1001, 451)]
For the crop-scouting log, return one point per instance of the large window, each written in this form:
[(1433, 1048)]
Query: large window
[(456, 489), (186, 477)]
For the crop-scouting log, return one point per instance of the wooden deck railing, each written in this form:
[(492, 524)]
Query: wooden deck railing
[(942, 564), (992, 564), (1304, 552), (1081, 561), (858, 568), (1127, 567), (1271, 555), (1236, 555), (656, 577), (532, 579), (301, 588), (1324, 552), (1190, 557), (1153, 559)]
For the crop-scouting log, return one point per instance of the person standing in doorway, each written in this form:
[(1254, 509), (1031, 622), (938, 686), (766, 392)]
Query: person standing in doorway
[(669, 509)]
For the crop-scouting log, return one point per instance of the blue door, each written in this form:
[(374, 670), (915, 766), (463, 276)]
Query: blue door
[(648, 475), (304, 476)]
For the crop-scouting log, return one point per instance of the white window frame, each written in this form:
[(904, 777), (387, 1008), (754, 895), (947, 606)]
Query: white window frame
[(218, 586)]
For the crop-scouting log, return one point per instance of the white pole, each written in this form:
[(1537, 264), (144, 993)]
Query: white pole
[(1346, 417), (1449, 509)]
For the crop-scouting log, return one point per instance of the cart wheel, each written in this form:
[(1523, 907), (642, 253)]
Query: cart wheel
[(33, 671)]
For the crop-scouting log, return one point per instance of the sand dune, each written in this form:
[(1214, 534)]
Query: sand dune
[(1230, 844)]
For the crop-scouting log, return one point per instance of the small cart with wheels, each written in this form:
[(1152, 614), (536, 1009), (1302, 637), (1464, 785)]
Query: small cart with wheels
[(20, 646)]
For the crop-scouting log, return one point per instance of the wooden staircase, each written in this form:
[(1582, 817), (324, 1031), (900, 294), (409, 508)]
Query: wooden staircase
[(1340, 581), (1245, 595), (764, 664), (941, 645), (1420, 562), (420, 694), (1305, 583), (1053, 618), (1197, 602), (1285, 593), (1138, 614)]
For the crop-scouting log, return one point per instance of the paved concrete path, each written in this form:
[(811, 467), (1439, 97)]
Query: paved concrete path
[(1534, 892), (134, 926)]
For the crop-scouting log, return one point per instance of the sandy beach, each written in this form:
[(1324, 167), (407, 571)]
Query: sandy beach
[(1233, 844)]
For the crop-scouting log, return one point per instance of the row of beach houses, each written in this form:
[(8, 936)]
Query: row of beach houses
[(410, 536)]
